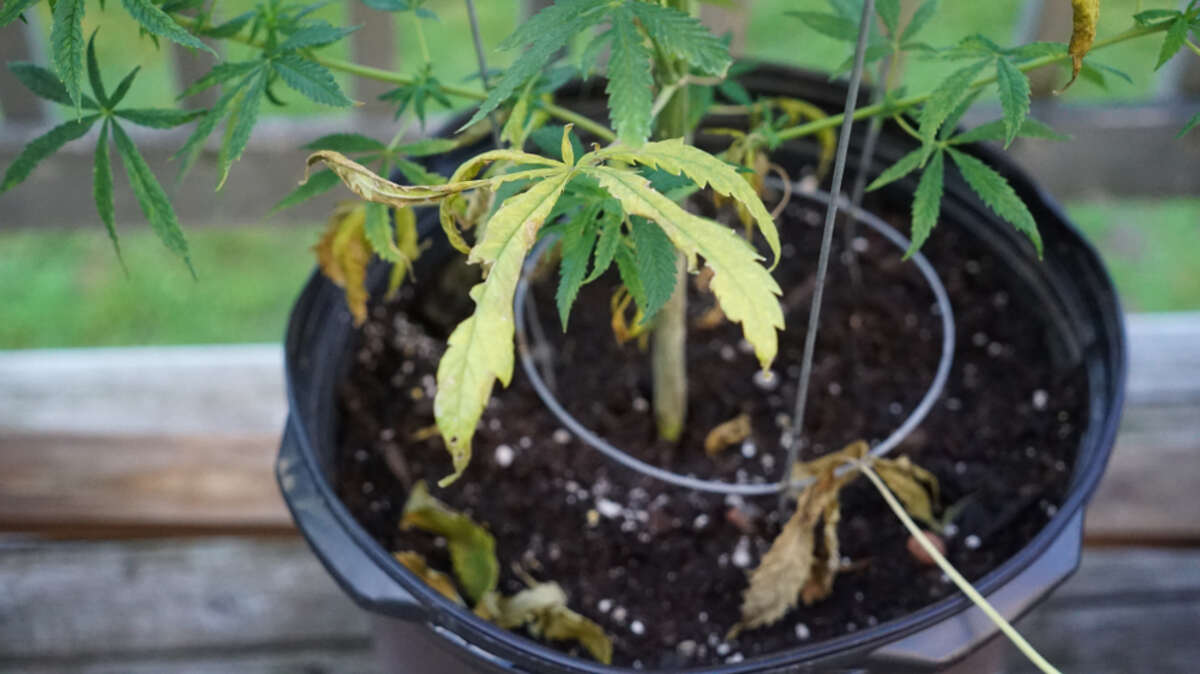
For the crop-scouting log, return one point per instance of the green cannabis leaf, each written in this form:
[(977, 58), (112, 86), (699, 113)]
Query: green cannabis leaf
[(995, 191)]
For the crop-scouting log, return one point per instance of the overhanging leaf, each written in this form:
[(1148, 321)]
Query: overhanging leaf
[(998, 195), (472, 548), (66, 42), (343, 253), (151, 198), (480, 350), (1014, 97), (630, 86), (43, 146), (102, 189), (156, 21), (677, 157), (927, 202), (744, 288)]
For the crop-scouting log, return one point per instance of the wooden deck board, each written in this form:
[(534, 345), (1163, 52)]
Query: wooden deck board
[(254, 605), (169, 441)]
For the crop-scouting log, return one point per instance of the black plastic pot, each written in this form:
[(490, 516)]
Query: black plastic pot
[(1069, 296)]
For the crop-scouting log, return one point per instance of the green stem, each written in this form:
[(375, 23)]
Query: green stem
[(381, 75), (668, 356), (421, 39), (905, 103)]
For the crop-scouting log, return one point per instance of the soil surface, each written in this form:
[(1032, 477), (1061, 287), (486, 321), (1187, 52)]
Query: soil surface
[(663, 569)]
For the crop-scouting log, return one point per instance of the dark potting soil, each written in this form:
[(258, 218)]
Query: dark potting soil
[(663, 569)]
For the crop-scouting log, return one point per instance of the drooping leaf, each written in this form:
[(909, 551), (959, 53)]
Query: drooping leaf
[(343, 253), (231, 27), (207, 124), (829, 25), (945, 98), (408, 245), (655, 259), (66, 42), (577, 242), (156, 22), (317, 184), (677, 157), (927, 202), (683, 37), (744, 288), (916, 487), (311, 79), (609, 226), (413, 561), (1014, 97), (997, 194), (222, 72), (367, 184), (630, 86), (472, 548), (102, 189), (93, 70), (150, 196), (480, 350), (43, 146), (159, 118)]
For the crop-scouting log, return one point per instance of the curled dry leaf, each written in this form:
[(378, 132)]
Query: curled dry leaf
[(343, 253), (408, 247), (624, 329), (730, 432), (439, 581), (472, 548), (916, 487), (1085, 14), (542, 609)]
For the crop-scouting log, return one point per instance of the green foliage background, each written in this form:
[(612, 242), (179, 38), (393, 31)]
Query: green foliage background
[(64, 288)]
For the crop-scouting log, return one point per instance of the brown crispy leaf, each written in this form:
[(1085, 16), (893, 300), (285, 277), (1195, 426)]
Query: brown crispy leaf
[(730, 432), (439, 581), (828, 559), (1085, 14), (343, 253)]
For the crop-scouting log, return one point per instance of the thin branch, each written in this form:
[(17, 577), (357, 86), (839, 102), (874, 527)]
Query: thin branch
[(958, 579)]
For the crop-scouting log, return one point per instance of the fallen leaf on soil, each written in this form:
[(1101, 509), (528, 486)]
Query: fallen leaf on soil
[(413, 561), (722, 435), (542, 609), (472, 548)]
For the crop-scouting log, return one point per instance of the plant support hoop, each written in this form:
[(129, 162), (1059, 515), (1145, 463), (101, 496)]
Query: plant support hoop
[(527, 350)]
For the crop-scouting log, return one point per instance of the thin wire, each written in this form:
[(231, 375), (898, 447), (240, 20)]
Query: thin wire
[(865, 163), (483, 69), (814, 317), (522, 301)]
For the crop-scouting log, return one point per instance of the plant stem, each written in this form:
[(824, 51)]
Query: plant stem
[(381, 75), (669, 351), (421, 39), (962, 583), (916, 99)]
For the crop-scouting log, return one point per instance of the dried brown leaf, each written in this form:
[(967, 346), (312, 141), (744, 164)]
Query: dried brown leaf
[(828, 560), (916, 487), (439, 581), (343, 253), (1085, 15), (724, 434)]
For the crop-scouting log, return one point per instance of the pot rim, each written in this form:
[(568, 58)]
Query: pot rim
[(446, 615)]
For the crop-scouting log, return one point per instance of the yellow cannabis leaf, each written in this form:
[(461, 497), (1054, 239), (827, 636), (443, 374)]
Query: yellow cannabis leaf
[(1085, 15), (542, 609), (744, 288), (407, 246), (343, 253), (413, 561), (675, 157), (472, 548)]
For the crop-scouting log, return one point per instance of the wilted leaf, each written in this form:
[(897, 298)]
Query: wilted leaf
[(407, 244), (745, 289), (542, 608), (472, 548), (1085, 14), (916, 487), (343, 253), (413, 561), (724, 434)]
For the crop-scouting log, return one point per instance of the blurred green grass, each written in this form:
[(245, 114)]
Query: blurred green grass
[(65, 288)]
